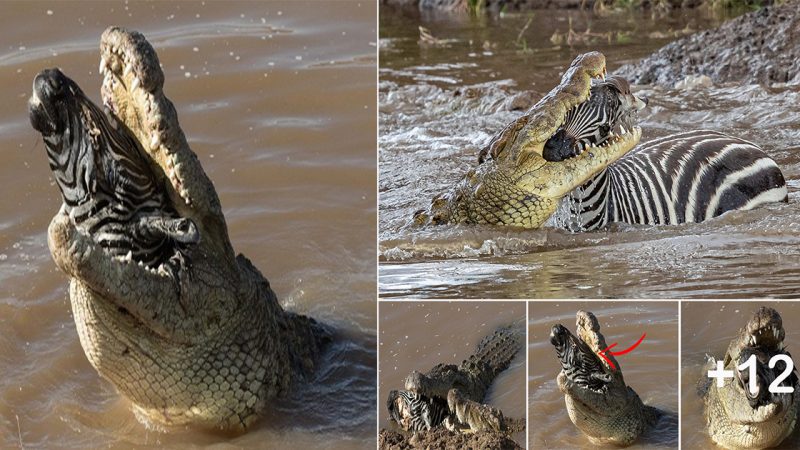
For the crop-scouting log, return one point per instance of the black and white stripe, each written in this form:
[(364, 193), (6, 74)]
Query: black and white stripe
[(416, 412), (107, 184), (686, 177)]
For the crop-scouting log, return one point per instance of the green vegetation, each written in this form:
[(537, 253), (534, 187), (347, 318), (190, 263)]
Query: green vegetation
[(476, 6)]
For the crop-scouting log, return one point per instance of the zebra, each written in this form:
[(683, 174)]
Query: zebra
[(108, 187), (580, 364), (416, 412), (686, 177)]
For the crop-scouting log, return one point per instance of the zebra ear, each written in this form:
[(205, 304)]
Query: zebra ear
[(640, 102)]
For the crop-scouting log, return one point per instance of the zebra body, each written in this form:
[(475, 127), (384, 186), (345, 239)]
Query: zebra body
[(686, 177), (108, 187), (416, 412)]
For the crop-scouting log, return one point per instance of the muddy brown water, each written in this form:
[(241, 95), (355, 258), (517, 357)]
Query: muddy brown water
[(438, 105), (278, 101), (420, 335), (707, 329), (651, 369)]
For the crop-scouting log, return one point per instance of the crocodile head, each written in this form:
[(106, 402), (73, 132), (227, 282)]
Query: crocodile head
[(610, 111), (598, 401), (743, 413), (214, 349), (514, 183)]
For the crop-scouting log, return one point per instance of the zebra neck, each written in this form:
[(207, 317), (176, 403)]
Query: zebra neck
[(591, 203), (73, 165)]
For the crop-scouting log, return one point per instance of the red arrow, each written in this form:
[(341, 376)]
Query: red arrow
[(602, 353)]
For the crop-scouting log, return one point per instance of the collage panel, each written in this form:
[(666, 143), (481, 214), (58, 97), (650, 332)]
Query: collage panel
[(399, 224), (735, 361), (187, 224), (524, 155), (603, 375), (452, 375)]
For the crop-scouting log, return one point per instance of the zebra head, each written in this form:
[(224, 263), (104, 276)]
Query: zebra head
[(579, 363), (413, 411), (84, 144), (610, 110), (398, 405), (56, 111)]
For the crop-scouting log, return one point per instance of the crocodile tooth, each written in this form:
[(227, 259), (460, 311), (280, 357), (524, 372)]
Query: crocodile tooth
[(102, 69), (623, 130), (127, 69), (135, 83), (141, 264), (129, 256), (155, 140)]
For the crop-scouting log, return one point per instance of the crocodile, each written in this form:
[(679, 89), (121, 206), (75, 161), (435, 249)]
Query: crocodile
[(210, 347), (741, 415), (599, 403), (514, 184), (451, 395), (474, 416), (577, 147)]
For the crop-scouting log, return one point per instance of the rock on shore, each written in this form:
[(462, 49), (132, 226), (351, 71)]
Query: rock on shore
[(759, 47)]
